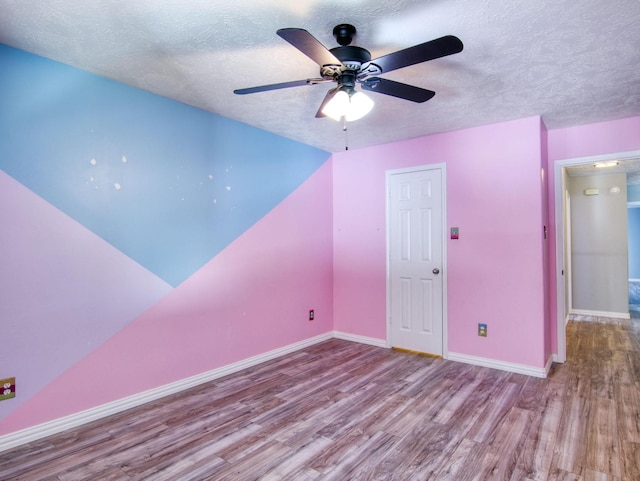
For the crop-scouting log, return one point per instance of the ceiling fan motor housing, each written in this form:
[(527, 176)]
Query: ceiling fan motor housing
[(352, 59)]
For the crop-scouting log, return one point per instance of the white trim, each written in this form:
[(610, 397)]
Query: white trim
[(547, 366), (502, 365), (559, 165), (372, 341), (634, 280), (633, 204), (567, 264), (33, 433), (55, 426), (442, 166), (445, 271), (611, 315)]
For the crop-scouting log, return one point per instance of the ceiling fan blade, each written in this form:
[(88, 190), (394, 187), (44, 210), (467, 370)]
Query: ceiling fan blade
[(327, 98), (440, 47), (397, 89), (283, 85), (308, 45)]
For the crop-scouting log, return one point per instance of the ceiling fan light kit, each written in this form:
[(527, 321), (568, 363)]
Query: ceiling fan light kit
[(352, 106), (348, 65)]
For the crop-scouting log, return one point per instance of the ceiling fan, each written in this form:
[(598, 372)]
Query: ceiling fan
[(348, 65)]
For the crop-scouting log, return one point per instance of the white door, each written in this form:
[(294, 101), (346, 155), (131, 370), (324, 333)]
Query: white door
[(415, 282)]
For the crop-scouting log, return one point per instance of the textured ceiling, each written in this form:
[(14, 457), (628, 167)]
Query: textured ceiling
[(573, 62)]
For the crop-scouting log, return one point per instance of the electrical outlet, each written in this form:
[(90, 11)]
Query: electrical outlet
[(311, 315), (7, 388), (482, 330)]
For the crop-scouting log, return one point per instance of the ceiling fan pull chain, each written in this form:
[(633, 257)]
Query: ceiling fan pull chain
[(346, 133)]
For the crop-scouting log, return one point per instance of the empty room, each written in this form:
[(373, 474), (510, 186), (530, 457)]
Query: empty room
[(319, 240)]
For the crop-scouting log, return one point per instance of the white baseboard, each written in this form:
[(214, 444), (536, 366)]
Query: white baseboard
[(40, 431), (501, 365), (550, 361), (372, 341), (611, 315)]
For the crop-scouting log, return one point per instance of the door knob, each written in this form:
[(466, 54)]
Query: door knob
[(436, 270)]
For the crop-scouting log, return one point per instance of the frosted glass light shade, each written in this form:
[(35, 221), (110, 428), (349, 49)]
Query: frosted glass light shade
[(351, 107), (606, 164)]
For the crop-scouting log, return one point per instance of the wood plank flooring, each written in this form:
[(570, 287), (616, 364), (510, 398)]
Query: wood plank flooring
[(345, 411)]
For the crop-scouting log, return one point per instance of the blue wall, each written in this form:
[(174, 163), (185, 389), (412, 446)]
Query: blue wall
[(167, 184)]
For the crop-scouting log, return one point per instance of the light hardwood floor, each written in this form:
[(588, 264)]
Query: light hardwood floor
[(345, 411)]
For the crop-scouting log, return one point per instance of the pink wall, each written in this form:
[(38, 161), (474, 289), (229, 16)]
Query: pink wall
[(334, 262), (494, 269), (46, 258), (583, 141), (148, 243), (594, 139), (251, 298)]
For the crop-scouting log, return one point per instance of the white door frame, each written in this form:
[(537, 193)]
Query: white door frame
[(567, 255), (443, 168), (559, 165)]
